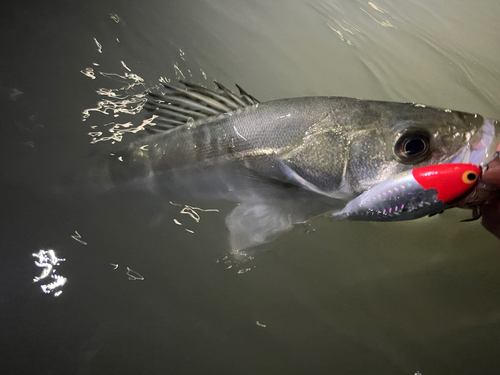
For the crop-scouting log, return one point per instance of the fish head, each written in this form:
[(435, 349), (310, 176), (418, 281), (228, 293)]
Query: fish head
[(417, 137)]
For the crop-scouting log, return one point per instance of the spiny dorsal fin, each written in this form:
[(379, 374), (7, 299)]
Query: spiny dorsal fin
[(246, 96), (175, 106)]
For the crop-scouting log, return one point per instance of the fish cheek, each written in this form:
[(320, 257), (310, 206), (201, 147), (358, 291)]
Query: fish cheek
[(443, 148), (371, 160)]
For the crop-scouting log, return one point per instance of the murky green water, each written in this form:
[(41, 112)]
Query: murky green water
[(141, 294)]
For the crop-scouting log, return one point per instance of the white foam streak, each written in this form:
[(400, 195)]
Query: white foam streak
[(99, 46)]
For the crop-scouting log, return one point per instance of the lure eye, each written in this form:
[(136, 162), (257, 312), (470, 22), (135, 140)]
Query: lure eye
[(469, 177), (412, 147)]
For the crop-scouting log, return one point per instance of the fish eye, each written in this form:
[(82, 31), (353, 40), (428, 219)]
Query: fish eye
[(412, 147), (469, 177)]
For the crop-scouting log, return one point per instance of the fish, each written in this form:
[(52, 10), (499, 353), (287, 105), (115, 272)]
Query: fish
[(413, 194), (285, 160)]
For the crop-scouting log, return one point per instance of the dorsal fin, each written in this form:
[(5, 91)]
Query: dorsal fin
[(246, 96), (175, 106)]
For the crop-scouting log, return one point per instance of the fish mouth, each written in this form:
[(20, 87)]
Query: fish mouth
[(482, 146)]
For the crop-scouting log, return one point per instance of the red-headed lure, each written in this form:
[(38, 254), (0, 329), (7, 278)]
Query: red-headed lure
[(413, 194)]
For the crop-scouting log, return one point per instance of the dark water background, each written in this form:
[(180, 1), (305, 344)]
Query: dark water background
[(334, 298)]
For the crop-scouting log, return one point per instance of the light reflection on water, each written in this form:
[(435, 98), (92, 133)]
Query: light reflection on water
[(48, 262)]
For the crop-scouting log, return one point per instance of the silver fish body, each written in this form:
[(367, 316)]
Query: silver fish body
[(333, 146), (287, 160)]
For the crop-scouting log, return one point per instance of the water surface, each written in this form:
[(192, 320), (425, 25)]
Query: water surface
[(144, 295)]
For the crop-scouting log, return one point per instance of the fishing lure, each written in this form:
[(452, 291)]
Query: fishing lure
[(413, 194)]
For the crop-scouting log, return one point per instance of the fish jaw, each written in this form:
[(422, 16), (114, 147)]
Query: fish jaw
[(482, 145)]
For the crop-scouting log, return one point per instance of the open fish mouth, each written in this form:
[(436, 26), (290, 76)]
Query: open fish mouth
[(482, 146), (481, 150)]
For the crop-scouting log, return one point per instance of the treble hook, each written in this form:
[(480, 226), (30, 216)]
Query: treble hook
[(476, 215)]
